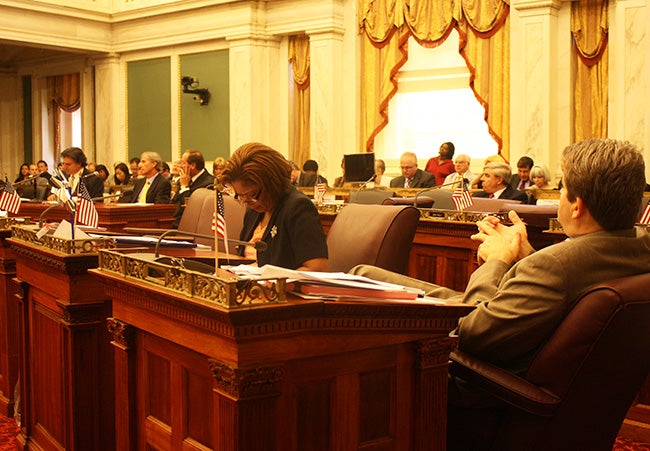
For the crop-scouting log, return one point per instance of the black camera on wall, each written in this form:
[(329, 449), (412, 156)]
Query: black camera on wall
[(202, 95)]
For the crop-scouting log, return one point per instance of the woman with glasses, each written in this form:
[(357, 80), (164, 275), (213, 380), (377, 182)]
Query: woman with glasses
[(276, 212)]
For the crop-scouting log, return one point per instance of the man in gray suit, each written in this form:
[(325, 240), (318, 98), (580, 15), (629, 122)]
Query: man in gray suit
[(412, 177), (521, 295)]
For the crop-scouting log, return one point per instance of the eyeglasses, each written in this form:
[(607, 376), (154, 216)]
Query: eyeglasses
[(247, 198), (407, 167)]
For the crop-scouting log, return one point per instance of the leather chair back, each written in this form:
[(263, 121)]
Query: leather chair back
[(369, 196), (233, 212), (193, 211), (582, 381), (377, 235)]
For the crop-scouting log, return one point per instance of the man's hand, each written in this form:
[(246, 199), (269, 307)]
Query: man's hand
[(508, 244), (184, 177)]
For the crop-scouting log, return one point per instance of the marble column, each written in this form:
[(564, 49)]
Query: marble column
[(110, 125), (540, 78)]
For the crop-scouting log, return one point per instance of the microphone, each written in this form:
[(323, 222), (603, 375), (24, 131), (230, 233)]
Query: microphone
[(464, 183), (58, 183), (90, 175), (259, 245), (68, 203), (363, 185), (25, 180)]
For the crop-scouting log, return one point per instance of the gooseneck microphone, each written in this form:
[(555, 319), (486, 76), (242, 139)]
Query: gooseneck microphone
[(258, 245), (464, 183), (92, 174)]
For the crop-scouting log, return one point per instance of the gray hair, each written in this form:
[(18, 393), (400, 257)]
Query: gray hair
[(500, 170), (155, 157)]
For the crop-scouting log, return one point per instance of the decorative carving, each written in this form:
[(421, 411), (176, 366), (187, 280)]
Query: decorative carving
[(246, 383), (28, 234), (226, 292), (121, 332), (435, 352)]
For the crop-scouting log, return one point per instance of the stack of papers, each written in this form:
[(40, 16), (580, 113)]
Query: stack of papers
[(329, 284)]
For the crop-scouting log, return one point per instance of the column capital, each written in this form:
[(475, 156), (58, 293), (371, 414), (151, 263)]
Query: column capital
[(550, 5)]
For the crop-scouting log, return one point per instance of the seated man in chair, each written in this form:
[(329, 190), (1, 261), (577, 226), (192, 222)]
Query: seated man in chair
[(521, 295)]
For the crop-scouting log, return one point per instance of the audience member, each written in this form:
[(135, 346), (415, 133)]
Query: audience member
[(339, 182), (380, 178), (23, 174), (122, 175), (540, 177), (278, 214), (218, 166), (192, 176), (412, 177), (522, 295), (521, 180), (102, 173), (43, 169), (310, 167), (441, 166), (34, 187), (462, 175), (476, 183), (166, 171), (74, 168), (134, 166), (151, 187), (496, 183), (92, 167)]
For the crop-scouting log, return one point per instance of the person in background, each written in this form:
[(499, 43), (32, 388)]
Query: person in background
[(441, 166), (496, 183), (461, 173), (521, 180), (276, 212), (151, 187), (310, 168), (134, 166), (412, 177), (74, 168), (477, 183), (92, 167), (122, 175), (192, 176), (521, 295), (23, 174), (102, 173), (166, 171), (43, 169), (218, 165), (380, 178), (540, 177), (339, 182)]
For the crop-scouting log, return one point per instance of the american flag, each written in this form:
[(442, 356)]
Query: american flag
[(86, 211), (645, 216), (9, 199), (462, 199), (219, 219)]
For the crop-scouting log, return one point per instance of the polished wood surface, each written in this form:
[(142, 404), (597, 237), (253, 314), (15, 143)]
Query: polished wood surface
[(66, 369), (444, 253), (303, 375), (114, 217), (9, 357)]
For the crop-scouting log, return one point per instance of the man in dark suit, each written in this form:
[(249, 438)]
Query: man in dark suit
[(521, 180), (496, 183), (412, 177), (192, 176), (74, 165), (151, 187)]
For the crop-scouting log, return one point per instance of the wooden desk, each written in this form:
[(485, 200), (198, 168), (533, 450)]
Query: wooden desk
[(443, 253), (9, 356), (302, 375), (114, 217), (66, 371)]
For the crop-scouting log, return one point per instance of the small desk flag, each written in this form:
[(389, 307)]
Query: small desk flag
[(9, 198)]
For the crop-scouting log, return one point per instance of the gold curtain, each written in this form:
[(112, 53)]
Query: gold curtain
[(299, 59), (589, 29), (63, 92), (387, 24)]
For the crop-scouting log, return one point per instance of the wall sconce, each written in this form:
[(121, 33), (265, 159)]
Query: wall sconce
[(201, 95)]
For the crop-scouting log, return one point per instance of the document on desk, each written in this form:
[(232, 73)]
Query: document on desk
[(150, 241), (329, 284)]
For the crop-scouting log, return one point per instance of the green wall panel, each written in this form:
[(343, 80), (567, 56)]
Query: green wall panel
[(149, 106), (206, 127)]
